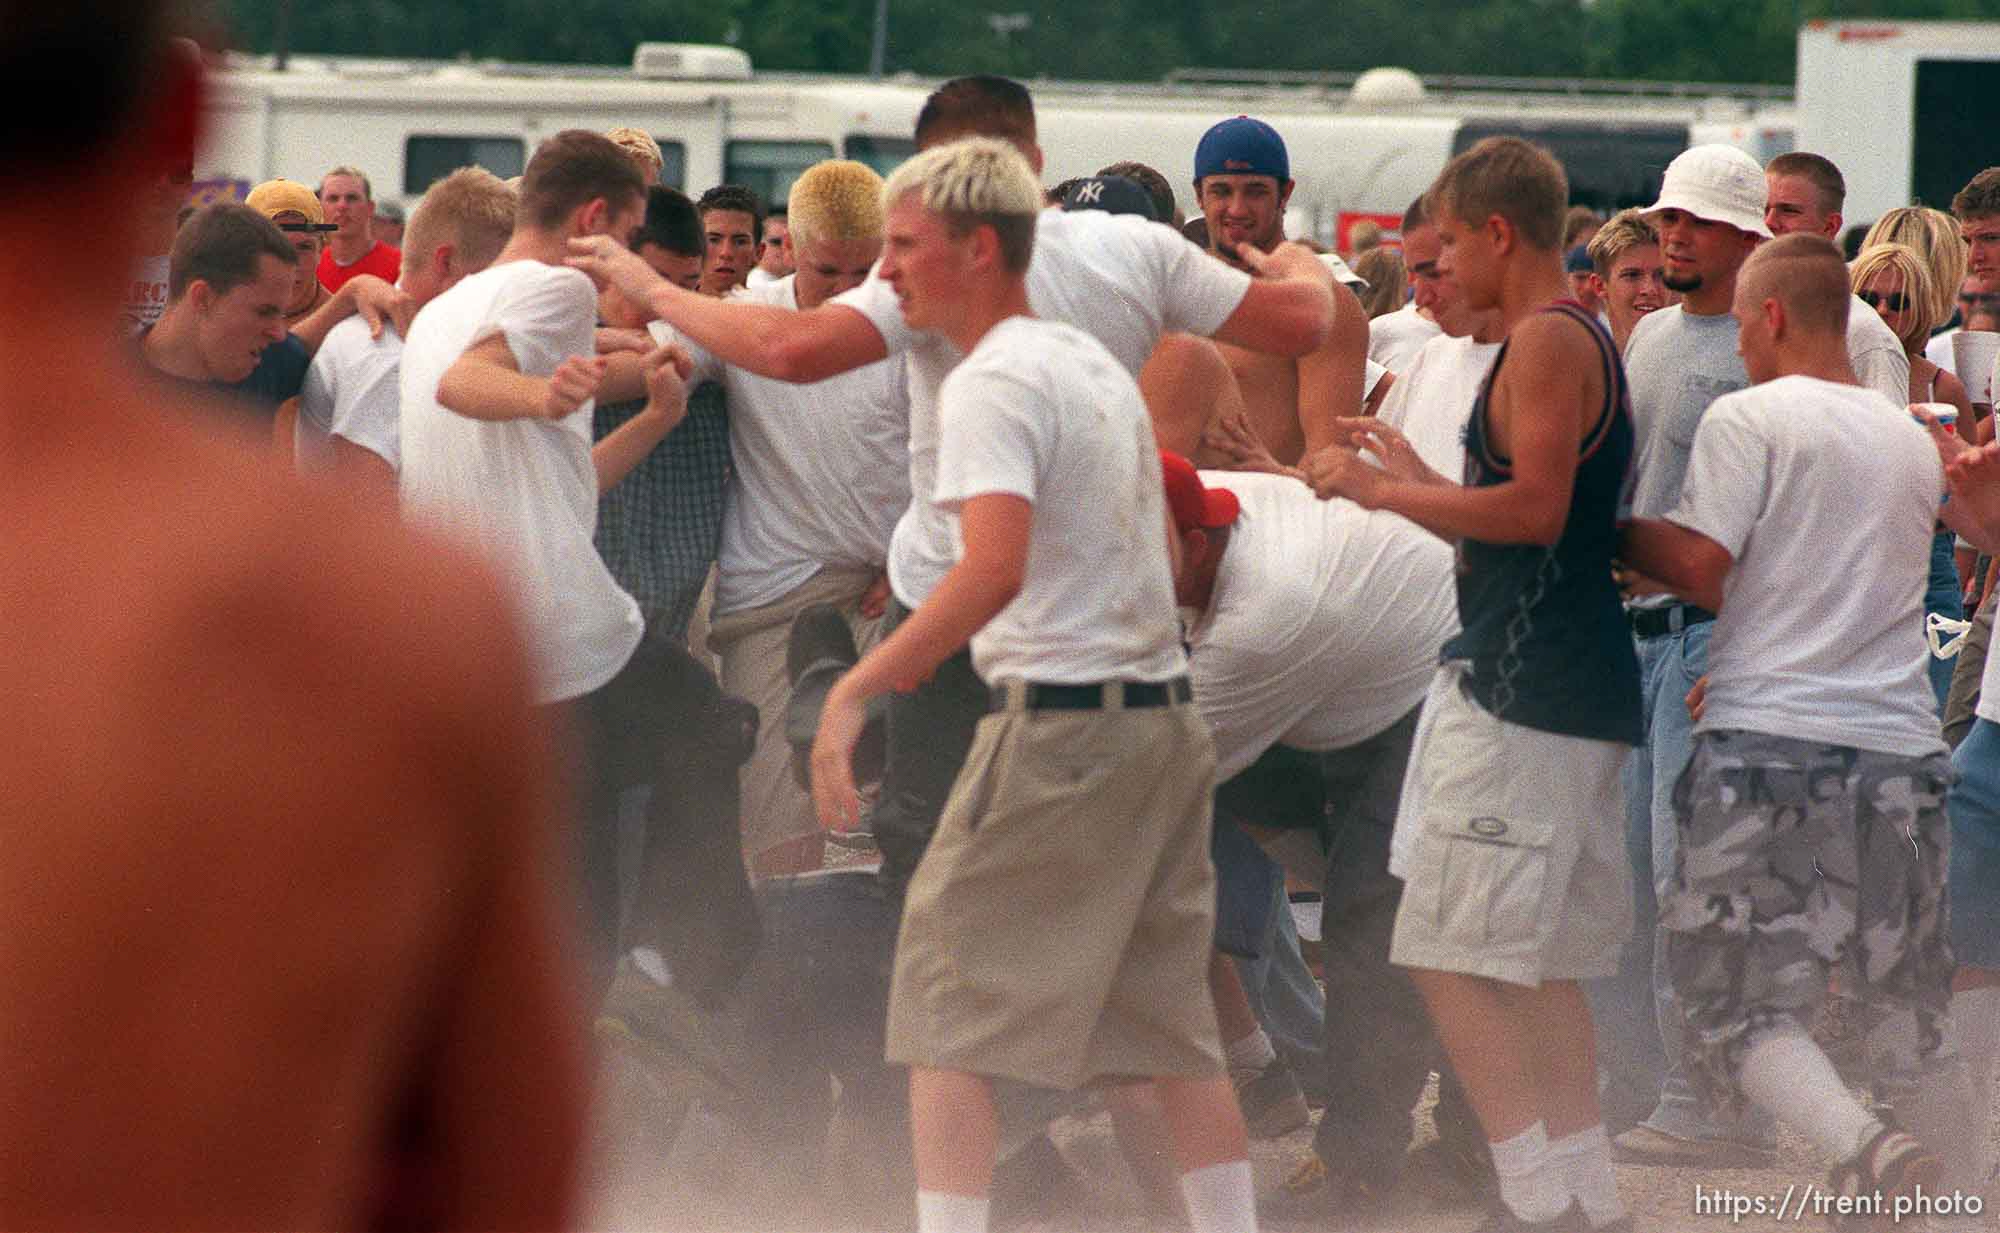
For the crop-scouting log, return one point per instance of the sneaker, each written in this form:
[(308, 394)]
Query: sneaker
[(1644, 1145), (1893, 1164), (1310, 1194), (1271, 1101), (665, 1036)]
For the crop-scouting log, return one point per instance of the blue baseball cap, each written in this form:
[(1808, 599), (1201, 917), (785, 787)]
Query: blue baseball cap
[(1577, 260), (1242, 146)]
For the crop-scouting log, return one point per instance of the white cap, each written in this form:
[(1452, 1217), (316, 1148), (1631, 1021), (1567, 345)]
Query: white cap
[(1718, 184)]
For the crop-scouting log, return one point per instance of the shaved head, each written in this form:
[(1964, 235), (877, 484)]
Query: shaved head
[(1805, 274)]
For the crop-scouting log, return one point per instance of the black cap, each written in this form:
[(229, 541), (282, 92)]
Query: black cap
[(1112, 194)]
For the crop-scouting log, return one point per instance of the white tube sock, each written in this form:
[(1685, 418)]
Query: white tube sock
[(1252, 1052), (1786, 1073), (1221, 1198), (1531, 1183), (940, 1212), (1584, 1159)]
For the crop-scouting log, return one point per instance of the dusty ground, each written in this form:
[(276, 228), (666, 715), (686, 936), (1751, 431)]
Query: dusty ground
[(648, 1176)]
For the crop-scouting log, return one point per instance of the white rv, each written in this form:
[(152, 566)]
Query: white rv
[(1361, 146)]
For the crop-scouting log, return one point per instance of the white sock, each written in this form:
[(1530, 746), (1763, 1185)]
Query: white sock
[(1221, 1198), (1973, 1032), (652, 964), (1532, 1184), (1786, 1073), (939, 1212), (1584, 1159), (1253, 1052)]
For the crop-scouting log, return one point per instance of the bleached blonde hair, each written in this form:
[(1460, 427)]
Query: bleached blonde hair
[(643, 150), (1935, 236), (976, 182), (1918, 288), (835, 201)]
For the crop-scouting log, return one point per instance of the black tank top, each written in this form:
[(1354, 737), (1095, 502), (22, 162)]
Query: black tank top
[(1543, 630)]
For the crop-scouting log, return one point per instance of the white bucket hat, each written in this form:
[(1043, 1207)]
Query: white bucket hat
[(1717, 183)]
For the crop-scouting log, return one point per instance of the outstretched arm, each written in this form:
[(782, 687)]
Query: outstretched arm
[(758, 338)]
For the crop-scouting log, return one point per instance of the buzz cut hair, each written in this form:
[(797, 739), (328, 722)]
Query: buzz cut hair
[(1623, 232), (1980, 198), (1817, 170), (1512, 178), (1414, 217), (472, 210), (639, 145), (222, 246), (978, 106), (367, 188), (976, 182), (1934, 234), (1806, 274), (1918, 285), (835, 202), (569, 171)]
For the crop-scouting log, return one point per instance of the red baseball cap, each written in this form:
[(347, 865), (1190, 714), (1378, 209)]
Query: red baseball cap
[(1193, 503)]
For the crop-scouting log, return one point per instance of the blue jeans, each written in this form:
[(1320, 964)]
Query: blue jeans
[(1943, 597), (1972, 876), (1640, 1032)]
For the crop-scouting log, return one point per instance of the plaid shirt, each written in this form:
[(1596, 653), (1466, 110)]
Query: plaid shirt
[(660, 528)]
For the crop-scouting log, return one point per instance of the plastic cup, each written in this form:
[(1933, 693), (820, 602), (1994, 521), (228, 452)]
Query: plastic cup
[(1972, 356), (1943, 412)]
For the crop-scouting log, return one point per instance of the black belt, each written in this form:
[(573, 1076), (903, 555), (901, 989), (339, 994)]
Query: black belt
[(1092, 697), (1654, 622)]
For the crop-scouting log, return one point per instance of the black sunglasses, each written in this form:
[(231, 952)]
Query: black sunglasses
[(1895, 300)]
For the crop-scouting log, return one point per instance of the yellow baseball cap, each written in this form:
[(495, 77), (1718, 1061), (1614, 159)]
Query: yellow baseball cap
[(275, 197)]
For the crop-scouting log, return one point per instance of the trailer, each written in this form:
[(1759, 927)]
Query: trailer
[(1901, 107)]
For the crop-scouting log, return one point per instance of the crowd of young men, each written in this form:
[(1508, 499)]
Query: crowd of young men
[(1520, 672)]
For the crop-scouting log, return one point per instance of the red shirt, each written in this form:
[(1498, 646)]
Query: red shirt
[(382, 261)]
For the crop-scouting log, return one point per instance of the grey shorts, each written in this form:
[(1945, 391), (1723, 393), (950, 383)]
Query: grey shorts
[(1796, 856)]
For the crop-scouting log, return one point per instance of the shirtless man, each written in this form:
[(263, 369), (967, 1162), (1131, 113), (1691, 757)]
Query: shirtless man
[(1224, 405), (280, 950)]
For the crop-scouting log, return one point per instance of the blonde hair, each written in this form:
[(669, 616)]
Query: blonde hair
[(1382, 267), (643, 150), (1935, 236), (472, 210), (1626, 230), (1917, 286), (1806, 274), (1515, 179), (835, 201), (973, 183)]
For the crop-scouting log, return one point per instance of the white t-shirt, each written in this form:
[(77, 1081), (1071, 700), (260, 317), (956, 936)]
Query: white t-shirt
[(1121, 279), (352, 391), (1432, 399), (1938, 350), (821, 470), (1876, 353), (524, 489), (1825, 495), (1395, 338), (1043, 411), (1325, 623)]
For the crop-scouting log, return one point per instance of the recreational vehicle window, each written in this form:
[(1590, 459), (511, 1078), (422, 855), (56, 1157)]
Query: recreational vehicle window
[(428, 159), (770, 167), (1610, 165), (673, 169), (884, 154)]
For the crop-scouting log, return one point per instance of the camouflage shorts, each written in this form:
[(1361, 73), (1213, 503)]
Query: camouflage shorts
[(1796, 856)]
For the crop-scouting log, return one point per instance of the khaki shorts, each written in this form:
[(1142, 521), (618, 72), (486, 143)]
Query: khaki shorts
[(1516, 866), (1057, 931)]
